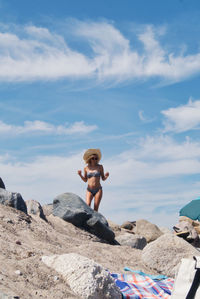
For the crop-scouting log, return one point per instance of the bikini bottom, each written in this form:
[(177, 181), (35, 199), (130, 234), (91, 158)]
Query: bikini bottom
[(94, 191)]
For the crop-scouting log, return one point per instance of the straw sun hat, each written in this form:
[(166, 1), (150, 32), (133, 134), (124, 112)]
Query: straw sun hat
[(90, 152)]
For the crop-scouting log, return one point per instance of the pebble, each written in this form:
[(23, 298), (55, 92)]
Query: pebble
[(56, 278), (8, 220), (18, 272)]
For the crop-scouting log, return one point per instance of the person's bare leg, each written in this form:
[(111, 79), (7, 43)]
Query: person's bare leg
[(97, 199), (89, 198)]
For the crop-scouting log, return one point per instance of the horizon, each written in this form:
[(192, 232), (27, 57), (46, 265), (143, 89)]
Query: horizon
[(122, 77)]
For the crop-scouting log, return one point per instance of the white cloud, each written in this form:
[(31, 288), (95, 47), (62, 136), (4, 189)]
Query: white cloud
[(37, 54), (182, 118), (42, 127), (155, 158), (23, 59)]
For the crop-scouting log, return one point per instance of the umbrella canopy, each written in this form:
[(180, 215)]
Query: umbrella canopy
[(191, 210)]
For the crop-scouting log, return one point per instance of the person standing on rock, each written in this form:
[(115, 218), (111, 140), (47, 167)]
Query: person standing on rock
[(93, 172)]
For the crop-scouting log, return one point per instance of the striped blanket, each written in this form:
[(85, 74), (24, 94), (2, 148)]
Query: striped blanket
[(136, 286)]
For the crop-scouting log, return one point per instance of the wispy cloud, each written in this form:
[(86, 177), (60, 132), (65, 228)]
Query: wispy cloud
[(36, 53), (154, 158), (41, 127), (182, 118), (144, 118)]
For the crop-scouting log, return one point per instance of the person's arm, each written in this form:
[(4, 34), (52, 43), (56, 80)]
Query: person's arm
[(83, 177), (104, 176)]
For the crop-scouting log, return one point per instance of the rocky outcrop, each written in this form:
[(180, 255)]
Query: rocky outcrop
[(147, 229), (13, 200), (35, 208), (73, 209), (165, 254), (85, 277), (134, 241)]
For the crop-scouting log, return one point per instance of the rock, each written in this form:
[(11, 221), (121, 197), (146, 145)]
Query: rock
[(100, 229), (135, 241), (2, 185), (185, 226), (8, 220), (128, 225), (12, 199), (35, 208), (18, 272), (48, 209), (165, 254), (56, 278), (85, 277), (195, 223), (147, 229), (73, 209), (186, 230)]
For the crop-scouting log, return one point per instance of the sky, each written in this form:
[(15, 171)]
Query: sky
[(122, 76)]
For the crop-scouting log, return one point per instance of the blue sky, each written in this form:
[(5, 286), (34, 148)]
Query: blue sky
[(122, 76)]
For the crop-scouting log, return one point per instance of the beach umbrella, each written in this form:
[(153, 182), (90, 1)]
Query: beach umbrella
[(191, 210)]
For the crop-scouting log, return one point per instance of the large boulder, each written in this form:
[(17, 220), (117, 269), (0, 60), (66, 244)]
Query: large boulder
[(35, 208), (147, 229), (12, 199), (134, 241), (85, 277), (165, 254), (73, 209)]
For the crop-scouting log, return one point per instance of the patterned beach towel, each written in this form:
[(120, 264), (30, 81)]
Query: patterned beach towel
[(136, 286)]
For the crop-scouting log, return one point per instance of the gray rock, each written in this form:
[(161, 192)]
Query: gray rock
[(85, 277), (35, 208), (128, 225), (147, 229), (100, 229), (2, 185), (135, 241), (164, 254), (12, 199), (73, 209), (48, 209)]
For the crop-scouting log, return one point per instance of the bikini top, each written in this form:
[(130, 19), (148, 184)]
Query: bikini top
[(93, 174)]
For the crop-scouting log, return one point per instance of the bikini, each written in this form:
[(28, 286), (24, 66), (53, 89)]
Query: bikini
[(90, 175)]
